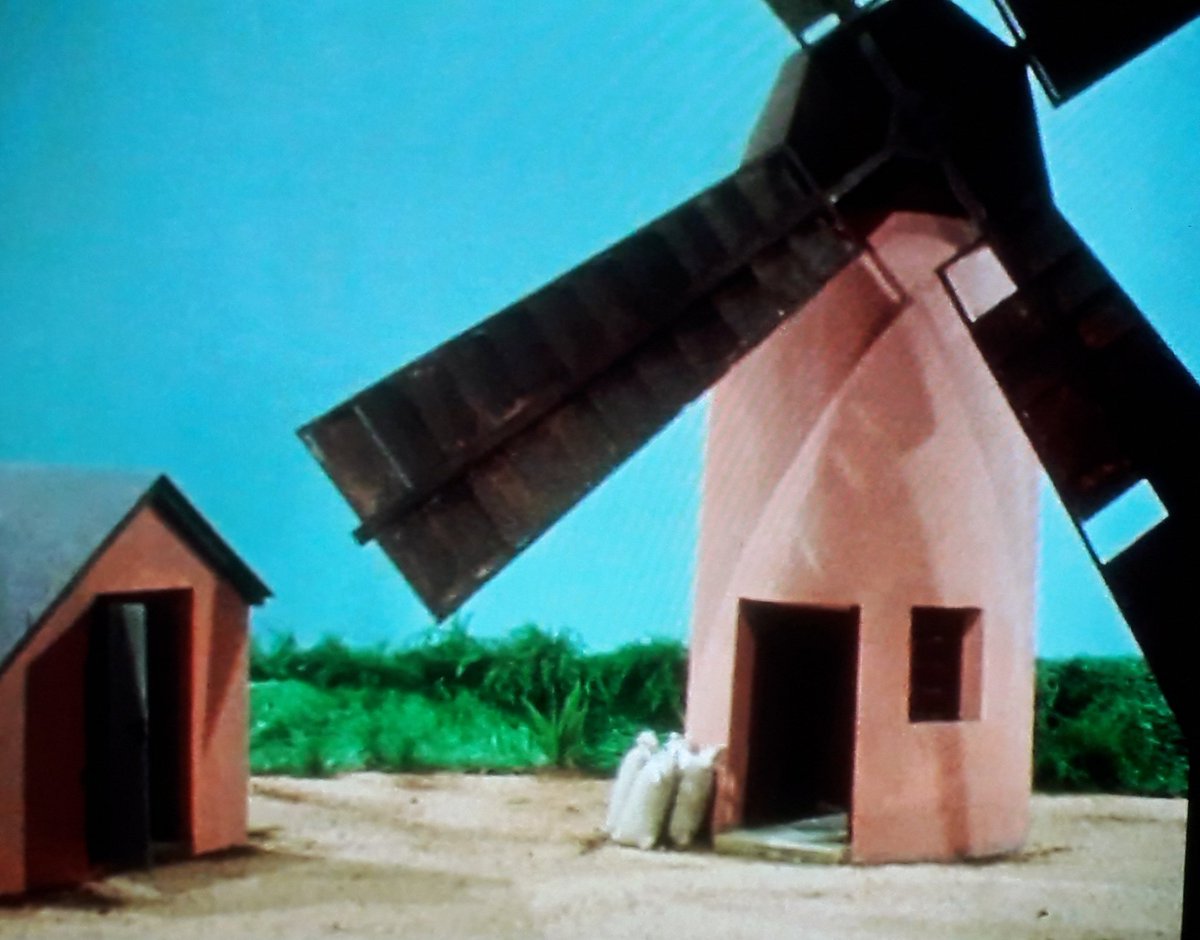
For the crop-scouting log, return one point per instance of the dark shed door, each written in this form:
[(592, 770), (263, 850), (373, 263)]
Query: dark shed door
[(118, 766)]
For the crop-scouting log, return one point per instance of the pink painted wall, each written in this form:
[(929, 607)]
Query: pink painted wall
[(863, 456), (42, 838)]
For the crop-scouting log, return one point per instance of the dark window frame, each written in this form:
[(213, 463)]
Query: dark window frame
[(945, 664)]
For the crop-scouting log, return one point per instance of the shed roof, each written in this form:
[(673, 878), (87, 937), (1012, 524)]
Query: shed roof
[(55, 520)]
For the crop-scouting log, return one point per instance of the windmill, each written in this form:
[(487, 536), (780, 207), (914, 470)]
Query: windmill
[(457, 461)]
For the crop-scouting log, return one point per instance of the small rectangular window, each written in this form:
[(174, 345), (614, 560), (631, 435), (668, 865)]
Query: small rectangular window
[(945, 660), (1124, 521), (977, 282), (820, 29)]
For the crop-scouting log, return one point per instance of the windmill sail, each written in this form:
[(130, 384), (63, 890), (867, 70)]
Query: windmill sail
[(456, 462), (1075, 43), (1107, 406)]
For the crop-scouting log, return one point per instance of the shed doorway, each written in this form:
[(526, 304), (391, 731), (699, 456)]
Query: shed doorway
[(137, 692), (800, 738)]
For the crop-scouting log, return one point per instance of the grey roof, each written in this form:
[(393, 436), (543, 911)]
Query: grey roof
[(55, 520)]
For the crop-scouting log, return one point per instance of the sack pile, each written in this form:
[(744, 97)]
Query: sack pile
[(660, 792)]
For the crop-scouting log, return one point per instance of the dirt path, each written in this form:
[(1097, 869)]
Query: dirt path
[(448, 856)]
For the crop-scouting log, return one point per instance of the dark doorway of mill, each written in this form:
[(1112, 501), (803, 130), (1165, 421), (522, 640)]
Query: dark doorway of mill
[(800, 742)]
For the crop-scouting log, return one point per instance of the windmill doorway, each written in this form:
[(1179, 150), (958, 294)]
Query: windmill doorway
[(137, 694), (801, 720)]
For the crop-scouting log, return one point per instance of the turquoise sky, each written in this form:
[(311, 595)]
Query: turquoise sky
[(219, 219)]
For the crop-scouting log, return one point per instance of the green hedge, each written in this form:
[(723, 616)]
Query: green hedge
[(531, 699), (536, 698), (1101, 725), (300, 729)]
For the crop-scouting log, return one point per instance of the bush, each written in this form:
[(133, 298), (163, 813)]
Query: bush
[(531, 699), (1101, 725), (302, 730), (560, 731)]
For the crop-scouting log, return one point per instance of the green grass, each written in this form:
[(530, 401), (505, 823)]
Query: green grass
[(532, 699), (300, 729), (537, 699)]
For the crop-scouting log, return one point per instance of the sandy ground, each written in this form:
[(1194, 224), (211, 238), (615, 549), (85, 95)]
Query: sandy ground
[(449, 856)]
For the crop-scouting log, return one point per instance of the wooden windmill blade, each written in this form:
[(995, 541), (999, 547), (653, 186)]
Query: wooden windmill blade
[(457, 461), (1108, 407), (1072, 44)]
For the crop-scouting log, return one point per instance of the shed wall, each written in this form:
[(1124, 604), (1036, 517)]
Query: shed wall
[(863, 456), (43, 732)]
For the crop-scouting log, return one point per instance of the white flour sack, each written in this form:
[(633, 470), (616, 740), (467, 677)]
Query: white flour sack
[(644, 813), (691, 797), (631, 764)]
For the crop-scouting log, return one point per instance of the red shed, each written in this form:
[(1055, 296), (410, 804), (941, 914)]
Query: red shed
[(124, 646)]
